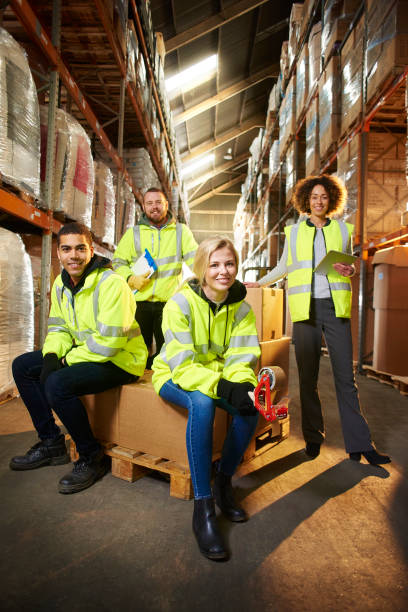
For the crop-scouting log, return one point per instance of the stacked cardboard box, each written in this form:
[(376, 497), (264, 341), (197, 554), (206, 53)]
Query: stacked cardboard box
[(302, 81), (391, 310), (329, 106), (351, 61), (312, 164), (295, 23), (287, 115), (315, 54), (338, 15)]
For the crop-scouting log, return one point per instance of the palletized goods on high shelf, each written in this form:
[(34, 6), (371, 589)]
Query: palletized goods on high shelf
[(317, 102), (104, 204)]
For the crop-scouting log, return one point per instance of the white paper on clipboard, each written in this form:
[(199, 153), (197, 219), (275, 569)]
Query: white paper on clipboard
[(332, 257)]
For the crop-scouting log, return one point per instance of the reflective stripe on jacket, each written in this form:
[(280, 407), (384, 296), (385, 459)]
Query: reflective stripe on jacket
[(200, 347), (96, 324), (300, 238), (169, 246)]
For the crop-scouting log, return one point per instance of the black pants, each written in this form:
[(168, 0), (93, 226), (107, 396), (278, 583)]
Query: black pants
[(149, 315), (61, 392), (307, 337)]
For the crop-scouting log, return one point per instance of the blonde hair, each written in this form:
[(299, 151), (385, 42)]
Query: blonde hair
[(204, 252)]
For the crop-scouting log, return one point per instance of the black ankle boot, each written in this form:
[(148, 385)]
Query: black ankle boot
[(206, 531), (224, 497), (372, 457), (87, 470), (45, 452)]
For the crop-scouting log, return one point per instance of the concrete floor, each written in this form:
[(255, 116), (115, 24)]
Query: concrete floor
[(328, 534)]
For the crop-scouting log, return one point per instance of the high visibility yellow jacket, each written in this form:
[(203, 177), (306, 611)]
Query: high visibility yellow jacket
[(300, 238), (201, 346), (96, 324), (169, 246)]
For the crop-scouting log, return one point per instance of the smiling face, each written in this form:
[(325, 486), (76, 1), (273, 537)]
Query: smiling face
[(319, 202), (155, 207), (220, 274), (74, 253)]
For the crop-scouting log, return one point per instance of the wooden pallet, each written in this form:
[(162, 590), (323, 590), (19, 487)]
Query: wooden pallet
[(401, 383), (18, 191), (8, 395), (263, 441), (383, 377), (130, 465)]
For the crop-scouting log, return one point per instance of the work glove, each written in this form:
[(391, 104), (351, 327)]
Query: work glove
[(51, 364), (237, 394), (138, 282)]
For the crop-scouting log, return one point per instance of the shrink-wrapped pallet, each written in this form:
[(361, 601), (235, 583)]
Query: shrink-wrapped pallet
[(302, 81), (127, 210), (73, 166), (104, 204), (141, 171), (287, 115), (312, 138), (337, 17), (351, 60), (329, 107), (387, 43), (274, 161), (315, 54), (295, 23), (16, 305), (284, 61), (19, 118)]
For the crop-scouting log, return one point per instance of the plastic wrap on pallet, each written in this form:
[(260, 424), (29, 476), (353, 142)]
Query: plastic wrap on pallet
[(73, 166), (287, 115), (140, 168), (284, 61), (290, 171), (295, 22), (302, 81), (19, 118), (329, 106), (308, 6), (104, 204), (274, 160), (337, 17), (315, 54), (351, 60), (347, 170), (16, 304), (127, 210), (312, 139), (387, 43)]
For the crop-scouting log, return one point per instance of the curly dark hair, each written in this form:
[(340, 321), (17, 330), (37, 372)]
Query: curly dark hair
[(333, 185)]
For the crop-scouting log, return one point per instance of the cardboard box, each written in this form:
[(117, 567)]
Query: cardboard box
[(390, 300), (149, 424), (391, 278), (312, 139), (103, 412), (267, 304), (329, 106)]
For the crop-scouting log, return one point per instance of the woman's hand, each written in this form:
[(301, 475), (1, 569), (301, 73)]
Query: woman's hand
[(344, 269), (251, 285)]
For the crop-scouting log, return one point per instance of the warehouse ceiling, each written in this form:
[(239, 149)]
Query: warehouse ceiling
[(221, 116)]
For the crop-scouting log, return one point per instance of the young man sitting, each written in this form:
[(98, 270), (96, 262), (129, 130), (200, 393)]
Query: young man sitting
[(93, 344)]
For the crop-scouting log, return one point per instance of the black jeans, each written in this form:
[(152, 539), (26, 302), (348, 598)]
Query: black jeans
[(307, 336), (149, 315), (61, 393)]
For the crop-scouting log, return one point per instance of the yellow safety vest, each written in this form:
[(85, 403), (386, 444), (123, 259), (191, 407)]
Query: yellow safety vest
[(96, 324), (169, 246), (300, 238), (201, 347)]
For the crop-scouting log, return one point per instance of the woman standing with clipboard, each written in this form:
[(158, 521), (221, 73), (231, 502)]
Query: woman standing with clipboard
[(321, 304)]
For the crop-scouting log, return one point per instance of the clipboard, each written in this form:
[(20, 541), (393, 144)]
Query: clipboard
[(325, 266), (145, 264)]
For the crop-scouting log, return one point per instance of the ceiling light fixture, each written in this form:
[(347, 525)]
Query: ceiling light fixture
[(192, 77), (197, 164), (228, 155)]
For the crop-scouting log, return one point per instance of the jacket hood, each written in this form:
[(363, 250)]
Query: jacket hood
[(96, 262), (236, 293), (145, 221)]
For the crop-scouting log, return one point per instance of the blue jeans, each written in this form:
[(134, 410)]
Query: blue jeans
[(199, 434), (61, 393)]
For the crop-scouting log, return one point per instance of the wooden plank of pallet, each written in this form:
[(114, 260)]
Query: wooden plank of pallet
[(264, 441), (401, 383)]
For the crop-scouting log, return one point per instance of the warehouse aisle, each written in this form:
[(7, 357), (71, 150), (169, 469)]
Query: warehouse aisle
[(327, 534)]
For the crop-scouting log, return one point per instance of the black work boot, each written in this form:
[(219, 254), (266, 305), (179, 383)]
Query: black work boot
[(224, 497), (205, 529), (46, 452), (87, 470)]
